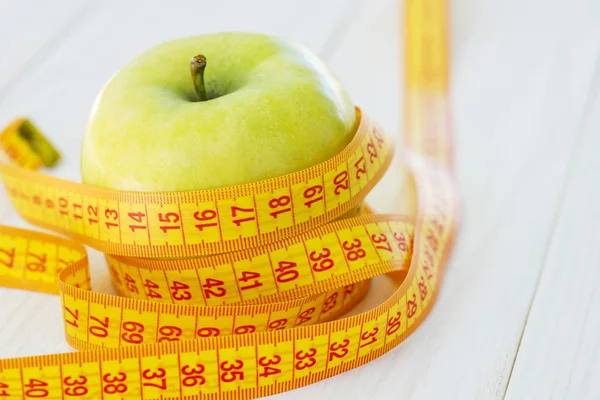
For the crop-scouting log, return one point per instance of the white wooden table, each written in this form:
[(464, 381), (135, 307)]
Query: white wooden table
[(517, 316)]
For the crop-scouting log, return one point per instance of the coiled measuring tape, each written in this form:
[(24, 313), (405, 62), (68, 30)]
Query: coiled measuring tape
[(236, 292)]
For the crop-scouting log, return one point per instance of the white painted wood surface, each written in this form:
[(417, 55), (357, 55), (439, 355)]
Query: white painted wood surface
[(517, 315), (559, 356)]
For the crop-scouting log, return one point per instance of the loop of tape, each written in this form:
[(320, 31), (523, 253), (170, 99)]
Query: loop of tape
[(238, 292)]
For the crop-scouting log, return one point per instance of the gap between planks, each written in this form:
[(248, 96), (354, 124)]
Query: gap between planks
[(591, 97)]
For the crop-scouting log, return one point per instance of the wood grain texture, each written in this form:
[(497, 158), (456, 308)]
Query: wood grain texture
[(559, 356), (525, 265)]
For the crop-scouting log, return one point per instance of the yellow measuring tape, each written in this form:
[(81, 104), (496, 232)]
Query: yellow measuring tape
[(236, 292)]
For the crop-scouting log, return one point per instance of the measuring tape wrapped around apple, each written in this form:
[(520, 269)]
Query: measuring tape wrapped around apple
[(257, 313)]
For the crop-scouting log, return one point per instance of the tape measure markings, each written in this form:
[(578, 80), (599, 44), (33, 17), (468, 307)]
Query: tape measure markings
[(104, 208)]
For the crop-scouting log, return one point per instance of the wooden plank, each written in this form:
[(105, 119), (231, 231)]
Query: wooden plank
[(559, 356), (519, 84), (28, 30), (59, 93)]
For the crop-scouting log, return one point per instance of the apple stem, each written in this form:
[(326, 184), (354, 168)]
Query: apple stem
[(197, 66)]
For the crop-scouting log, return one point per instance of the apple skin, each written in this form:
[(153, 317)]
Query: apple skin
[(274, 108)]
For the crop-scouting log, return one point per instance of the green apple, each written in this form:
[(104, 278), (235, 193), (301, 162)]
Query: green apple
[(256, 107)]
